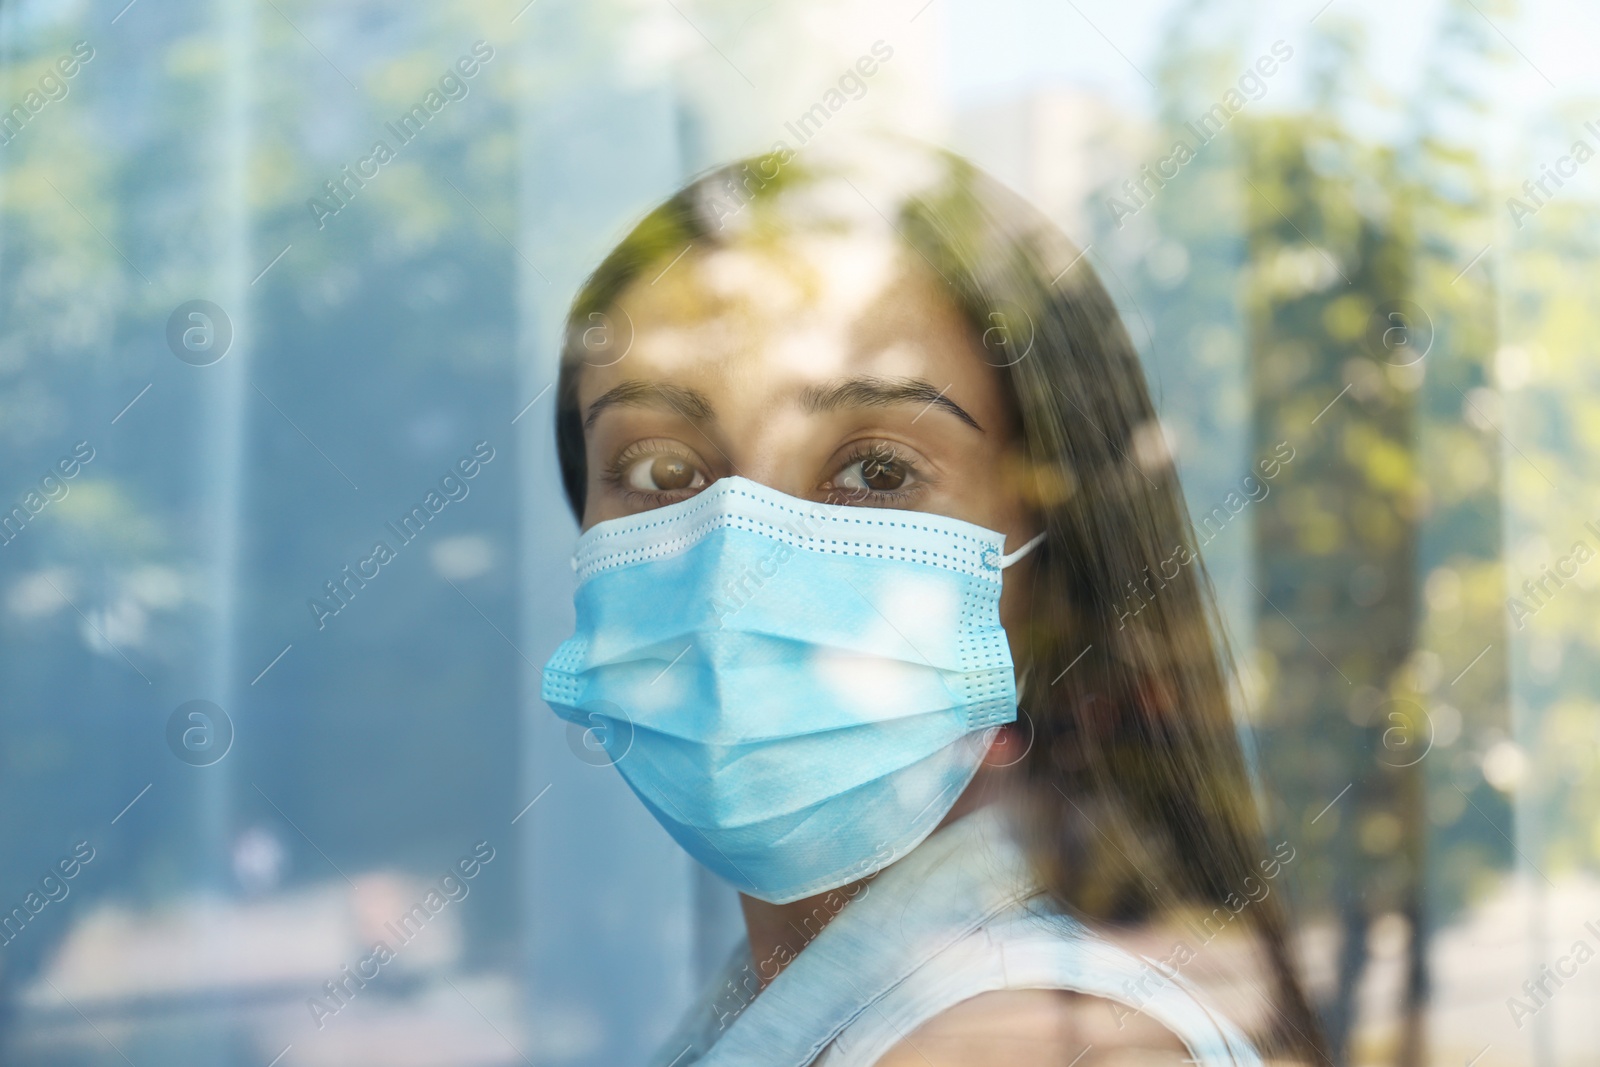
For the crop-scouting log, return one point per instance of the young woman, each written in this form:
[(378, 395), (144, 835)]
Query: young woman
[(864, 460)]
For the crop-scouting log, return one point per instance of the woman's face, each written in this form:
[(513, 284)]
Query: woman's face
[(831, 369)]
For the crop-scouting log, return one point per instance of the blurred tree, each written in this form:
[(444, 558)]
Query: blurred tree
[(1368, 335), (1458, 675), (383, 335), (1331, 251)]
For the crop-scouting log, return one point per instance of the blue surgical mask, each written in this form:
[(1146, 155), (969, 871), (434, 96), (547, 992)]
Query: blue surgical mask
[(798, 692)]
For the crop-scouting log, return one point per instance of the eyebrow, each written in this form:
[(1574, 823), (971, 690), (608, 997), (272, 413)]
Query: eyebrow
[(859, 392), (867, 391), (675, 398)]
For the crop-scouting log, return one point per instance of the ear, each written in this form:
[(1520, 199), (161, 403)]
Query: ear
[(1000, 739), (1008, 744)]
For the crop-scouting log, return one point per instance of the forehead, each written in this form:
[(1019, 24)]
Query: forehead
[(803, 310)]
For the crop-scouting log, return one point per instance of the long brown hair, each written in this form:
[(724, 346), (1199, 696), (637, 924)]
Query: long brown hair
[(1136, 788)]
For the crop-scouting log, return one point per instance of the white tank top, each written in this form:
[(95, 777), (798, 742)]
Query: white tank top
[(959, 916)]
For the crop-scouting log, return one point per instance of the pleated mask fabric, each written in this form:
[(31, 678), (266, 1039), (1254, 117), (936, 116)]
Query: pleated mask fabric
[(798, 692)]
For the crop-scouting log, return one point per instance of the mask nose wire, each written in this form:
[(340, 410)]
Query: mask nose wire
[(1009, 558), (1006, 560)]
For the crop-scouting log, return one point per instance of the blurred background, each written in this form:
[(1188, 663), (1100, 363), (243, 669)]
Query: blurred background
[(240, 345)]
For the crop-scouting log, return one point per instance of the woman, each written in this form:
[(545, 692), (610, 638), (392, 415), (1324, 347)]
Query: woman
[(864, 458)]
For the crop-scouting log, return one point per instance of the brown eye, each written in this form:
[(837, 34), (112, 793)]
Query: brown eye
[(882, 473), (670, 472), (876, 472), (663, 474)]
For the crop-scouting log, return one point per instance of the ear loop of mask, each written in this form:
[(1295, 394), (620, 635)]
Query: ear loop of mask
[(1005, 561), (1009, 558)]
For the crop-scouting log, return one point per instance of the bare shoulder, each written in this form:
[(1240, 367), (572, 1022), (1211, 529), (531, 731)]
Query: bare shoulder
[(1037, 1028)]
